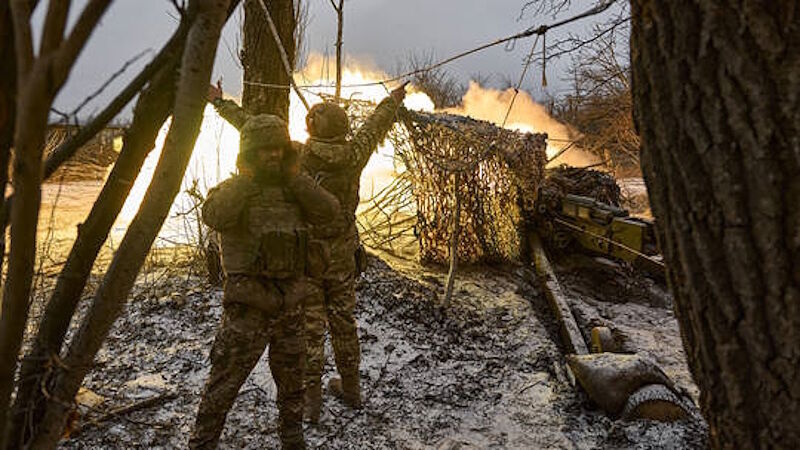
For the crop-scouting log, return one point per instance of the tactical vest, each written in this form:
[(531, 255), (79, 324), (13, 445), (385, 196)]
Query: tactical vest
[(334, 166), (271, 240)]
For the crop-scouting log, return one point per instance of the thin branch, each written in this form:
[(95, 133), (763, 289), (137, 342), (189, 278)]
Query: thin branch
[(339, 30), (541, 7), (56, 21), (70, 49), (179, 7), (64, 116), (557, 50), (23, 41), (108, 82)]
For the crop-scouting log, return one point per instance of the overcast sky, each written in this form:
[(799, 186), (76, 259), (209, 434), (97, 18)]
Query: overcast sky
[(377, 32)]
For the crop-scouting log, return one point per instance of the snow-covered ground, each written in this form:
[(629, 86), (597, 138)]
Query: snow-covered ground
[(485, 373)]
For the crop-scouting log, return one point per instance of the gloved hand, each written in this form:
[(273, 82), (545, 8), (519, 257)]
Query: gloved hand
[(214, 92), (399, 93)]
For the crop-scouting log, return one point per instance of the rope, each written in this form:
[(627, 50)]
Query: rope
[(561, 152), (521, 78), (540, 30), (610, 241), (544, 60)]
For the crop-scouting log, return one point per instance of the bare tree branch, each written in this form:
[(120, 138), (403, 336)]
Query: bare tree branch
[(538, 7), (179, 7), (600, 107), (108, 82), (23, 40), (574, 42), (444, 89), (54, 24), (70, 49), (68, 148), (301, 20)]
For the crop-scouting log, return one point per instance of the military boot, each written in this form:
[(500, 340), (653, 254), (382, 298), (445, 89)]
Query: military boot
[(347, 389), (313, 403), (292, 438), (293, 445)]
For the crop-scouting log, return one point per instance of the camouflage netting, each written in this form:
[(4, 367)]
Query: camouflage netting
[(564, 180), (448, 159)]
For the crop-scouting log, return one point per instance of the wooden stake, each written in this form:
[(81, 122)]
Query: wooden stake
[(340, 15), (451, 274)]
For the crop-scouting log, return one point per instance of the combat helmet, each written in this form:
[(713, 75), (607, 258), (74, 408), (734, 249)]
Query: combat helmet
[(260, 131), (327, 120)]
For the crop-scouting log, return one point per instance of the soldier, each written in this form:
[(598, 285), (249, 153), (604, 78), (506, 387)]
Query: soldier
[(329, 157), (261, 216)]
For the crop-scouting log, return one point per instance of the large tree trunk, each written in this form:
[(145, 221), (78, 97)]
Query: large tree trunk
[(262, 59), (716, 88), (109, 300)]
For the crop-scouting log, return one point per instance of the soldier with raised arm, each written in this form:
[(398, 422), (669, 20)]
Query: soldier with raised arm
[(262, 215), (336, 163)]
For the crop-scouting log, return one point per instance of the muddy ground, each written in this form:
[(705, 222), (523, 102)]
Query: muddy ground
[(485, 373)]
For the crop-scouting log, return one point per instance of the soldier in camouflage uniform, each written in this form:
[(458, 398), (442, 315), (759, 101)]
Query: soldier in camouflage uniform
[(337, 163), (261, 215)]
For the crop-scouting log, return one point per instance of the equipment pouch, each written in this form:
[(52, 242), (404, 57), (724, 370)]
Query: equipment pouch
[(283, 253)]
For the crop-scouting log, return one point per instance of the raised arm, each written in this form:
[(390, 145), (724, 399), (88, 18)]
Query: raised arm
[(228, 109), (377, 126)]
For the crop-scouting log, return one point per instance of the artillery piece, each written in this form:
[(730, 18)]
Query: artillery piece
[(623, 384), (482, 194)]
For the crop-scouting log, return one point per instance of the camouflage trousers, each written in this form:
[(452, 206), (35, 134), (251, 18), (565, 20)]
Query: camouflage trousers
[(241, 338), (332, 302)]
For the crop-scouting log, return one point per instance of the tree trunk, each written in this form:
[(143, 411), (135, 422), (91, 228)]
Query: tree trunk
[(39, 79), (109, 300), (261, 58), (8, 89), (27, 187), (716, 87), (152, 110)]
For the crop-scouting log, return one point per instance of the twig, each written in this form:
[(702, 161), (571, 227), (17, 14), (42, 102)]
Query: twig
[(108, 82), (451, 274), (121, 411)]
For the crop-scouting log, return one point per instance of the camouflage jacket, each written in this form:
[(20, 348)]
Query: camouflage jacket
[(337, 165), (264, 227)]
